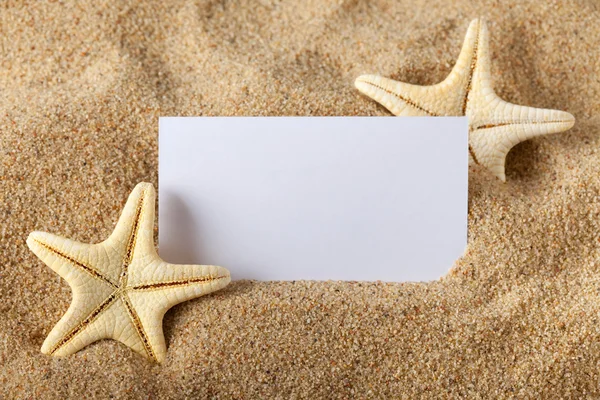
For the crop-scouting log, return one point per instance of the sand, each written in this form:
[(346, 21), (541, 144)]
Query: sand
[(82, 84)]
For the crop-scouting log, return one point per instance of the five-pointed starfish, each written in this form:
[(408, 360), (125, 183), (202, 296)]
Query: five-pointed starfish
[(495, 125), (121, 287)]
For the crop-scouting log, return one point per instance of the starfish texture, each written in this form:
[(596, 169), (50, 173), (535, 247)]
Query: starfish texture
[(495, 125), (121, 287)]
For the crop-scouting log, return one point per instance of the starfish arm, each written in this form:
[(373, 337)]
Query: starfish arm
[(72, 260), (407, 100), (89, 287), (178, 279), (478, 66), (528, 122), (167, 285), (448, 97), (135, 224), (401, 99), (464, 78), (511, 124), (475, 41), (150, 317), (145, 237), (108, 321)]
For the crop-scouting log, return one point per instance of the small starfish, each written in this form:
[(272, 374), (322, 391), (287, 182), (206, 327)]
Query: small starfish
[(495, 125), (121, 287)]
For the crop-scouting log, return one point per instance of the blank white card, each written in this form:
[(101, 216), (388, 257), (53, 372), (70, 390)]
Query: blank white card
[(290, 198)]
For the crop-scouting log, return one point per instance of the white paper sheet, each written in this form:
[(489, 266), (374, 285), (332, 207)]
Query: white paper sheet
[(290, 198)]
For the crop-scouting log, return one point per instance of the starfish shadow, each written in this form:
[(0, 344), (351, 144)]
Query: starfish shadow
[(523, 162), (182, 251)]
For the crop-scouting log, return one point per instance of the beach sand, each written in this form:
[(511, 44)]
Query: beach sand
[(82, 84)]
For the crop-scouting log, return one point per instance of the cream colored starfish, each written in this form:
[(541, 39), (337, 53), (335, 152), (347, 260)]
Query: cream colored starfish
[(121, 287), (495, 125)]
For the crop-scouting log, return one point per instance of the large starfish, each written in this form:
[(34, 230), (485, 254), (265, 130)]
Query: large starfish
[(495, 125), (121, 287)]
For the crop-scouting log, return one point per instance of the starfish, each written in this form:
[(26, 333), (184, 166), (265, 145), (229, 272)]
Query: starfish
[(495, 125), (121, 287)]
